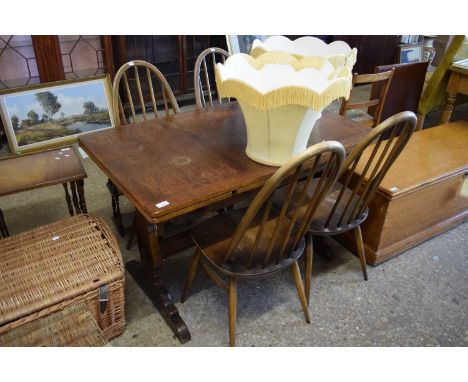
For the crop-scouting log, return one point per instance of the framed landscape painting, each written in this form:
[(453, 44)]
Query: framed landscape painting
[(53, 114)]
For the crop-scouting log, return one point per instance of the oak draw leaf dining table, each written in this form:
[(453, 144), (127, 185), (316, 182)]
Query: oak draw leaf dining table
[(190, 162)]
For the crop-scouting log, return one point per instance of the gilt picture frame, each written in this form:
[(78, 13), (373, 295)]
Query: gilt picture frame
[(54, 114)]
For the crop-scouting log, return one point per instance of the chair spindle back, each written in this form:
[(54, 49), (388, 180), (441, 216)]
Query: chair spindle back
[(275, 228), (372, 167), (385, 78), (144, 76), (202, 82)]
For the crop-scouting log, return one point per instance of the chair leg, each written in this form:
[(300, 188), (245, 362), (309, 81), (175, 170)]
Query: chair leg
[(232, 310), (191, 274), (132, 234), (309, 253), (118, 215), (300, 289), (361, 252)]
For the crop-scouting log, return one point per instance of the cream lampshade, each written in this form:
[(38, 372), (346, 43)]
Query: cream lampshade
[(281, 98)]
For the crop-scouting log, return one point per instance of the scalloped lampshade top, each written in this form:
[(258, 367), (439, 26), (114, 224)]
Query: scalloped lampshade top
[(281, 98), (338, 52)]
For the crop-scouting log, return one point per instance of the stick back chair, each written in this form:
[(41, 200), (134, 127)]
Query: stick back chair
[(346, 206), (202, 82), (260, 240), (134, 72), (132, 80), (385, 79)]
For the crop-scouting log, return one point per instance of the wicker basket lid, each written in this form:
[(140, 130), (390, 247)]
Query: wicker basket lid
[(54, 263), (72, 326)]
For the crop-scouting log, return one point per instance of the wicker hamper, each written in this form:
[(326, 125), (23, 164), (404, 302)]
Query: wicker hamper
[(72, 326), (73, 261)]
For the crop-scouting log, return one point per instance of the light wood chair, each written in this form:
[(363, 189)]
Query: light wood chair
[(259, 241), (385, 78), (202, 83), (128, 90), (131, 82), (346, 206)]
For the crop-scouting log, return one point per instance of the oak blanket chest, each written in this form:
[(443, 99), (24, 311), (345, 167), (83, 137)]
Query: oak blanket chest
[(423, 194)]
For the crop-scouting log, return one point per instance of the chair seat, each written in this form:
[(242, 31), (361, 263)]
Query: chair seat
[(213, 237), (361, 116), (319, 221)]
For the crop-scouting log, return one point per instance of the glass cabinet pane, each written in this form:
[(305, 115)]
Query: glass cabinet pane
[(17, 61), (82, 56)]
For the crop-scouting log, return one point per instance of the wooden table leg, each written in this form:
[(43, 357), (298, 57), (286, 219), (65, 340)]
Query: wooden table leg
[(448, 107), (75, 197), (3, 227), (68, 199), (148, 275), (81, 197)]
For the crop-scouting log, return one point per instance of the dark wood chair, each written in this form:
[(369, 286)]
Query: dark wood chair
[(377, 101), (260, 240), (131, 82), (346, 206), (202, 84)]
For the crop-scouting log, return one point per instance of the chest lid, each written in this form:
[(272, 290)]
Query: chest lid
[(431, 155)]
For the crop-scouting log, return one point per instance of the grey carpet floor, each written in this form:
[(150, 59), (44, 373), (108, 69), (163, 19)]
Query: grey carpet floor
[(416, 299)]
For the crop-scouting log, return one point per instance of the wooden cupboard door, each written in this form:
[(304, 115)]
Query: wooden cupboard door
[(372, 51)]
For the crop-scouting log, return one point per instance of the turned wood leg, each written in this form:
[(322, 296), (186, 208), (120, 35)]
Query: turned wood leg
[(116, 215), (300, 289), (191, 274), (361, 252), (132, 234), (68, 199), (3, 227), (149, 275), (309, 253), (75, 197), (232, 310), (448, 107), (81, 197)]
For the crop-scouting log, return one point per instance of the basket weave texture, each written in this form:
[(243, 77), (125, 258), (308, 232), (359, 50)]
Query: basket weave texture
[(72, 326), (54, 266)]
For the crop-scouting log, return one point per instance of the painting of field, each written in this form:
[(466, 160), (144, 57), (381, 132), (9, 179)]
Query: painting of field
[(56, 112)]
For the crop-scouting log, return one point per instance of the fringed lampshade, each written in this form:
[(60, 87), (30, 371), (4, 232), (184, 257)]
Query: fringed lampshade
[(338, 53), (281, 98)]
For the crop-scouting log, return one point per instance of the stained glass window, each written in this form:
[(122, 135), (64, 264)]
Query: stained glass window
[(82, 56), (17, 62)]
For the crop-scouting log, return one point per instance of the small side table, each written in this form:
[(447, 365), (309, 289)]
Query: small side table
[(47, 168), (458, 83)]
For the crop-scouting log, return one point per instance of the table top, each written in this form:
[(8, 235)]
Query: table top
[(430, 155), (47, 168), (175, 164)]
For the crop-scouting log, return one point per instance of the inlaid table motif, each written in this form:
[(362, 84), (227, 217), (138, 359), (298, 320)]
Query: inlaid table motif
[(47, 168), (174, 166)]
